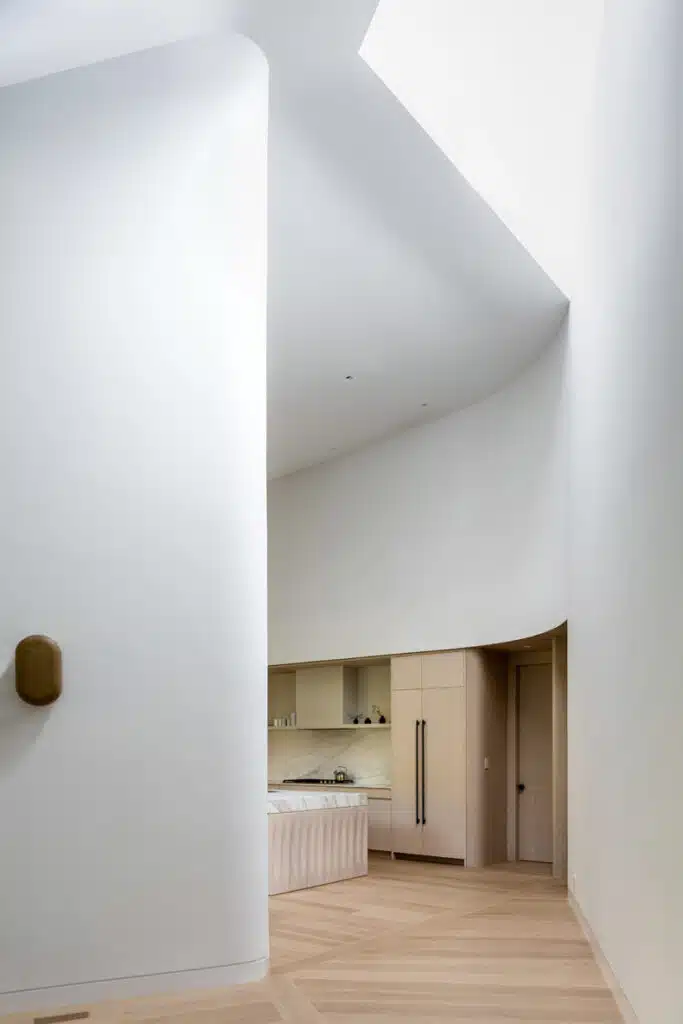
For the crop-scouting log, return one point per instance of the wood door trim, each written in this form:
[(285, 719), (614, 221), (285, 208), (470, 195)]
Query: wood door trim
[(560, 787)]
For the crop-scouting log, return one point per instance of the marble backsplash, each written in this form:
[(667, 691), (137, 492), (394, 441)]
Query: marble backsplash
[(366, 754)]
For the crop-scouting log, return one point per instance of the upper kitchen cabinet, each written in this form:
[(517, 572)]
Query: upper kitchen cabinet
[(326, 696), (406, 672), (442, 671), (428, 671)]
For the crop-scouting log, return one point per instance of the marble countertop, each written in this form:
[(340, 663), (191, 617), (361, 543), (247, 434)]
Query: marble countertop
[(280, 801), (374, 792)]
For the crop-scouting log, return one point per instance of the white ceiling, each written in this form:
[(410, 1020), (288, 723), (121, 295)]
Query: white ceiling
[(384, 263), (387, 266)]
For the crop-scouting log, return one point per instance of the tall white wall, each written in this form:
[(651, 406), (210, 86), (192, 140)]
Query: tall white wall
[(626, 381), (449, 535), (503, 89), (132, 458)]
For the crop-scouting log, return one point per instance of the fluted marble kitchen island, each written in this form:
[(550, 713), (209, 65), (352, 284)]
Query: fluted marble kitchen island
[(315, 838)]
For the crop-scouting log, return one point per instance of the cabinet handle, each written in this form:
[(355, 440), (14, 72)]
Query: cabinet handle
[(424, 785), (417, 772)]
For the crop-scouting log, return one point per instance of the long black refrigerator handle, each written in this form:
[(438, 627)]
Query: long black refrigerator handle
[(424, 785), (417, 772)]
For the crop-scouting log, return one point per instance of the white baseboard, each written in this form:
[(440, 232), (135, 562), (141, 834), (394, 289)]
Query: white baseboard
[(625, 1008), (40, 999)]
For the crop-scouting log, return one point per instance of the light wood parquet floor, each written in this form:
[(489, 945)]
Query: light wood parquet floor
[(410, 944)]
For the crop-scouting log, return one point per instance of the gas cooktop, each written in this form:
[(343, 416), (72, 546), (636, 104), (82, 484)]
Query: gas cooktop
[(318, 782)]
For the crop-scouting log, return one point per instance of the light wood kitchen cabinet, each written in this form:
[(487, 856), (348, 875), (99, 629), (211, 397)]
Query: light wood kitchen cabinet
[(429, 764), (443, 670), (326, 696), (406, 672), (406, 716), (379, 824), (428, 671), (444, 809)]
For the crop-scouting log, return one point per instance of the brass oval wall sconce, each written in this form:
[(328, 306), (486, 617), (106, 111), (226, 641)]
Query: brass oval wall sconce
[(38, 670)]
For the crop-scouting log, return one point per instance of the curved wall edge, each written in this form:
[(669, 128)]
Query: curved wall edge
[(133, 308), (133, 988), (452, 534)]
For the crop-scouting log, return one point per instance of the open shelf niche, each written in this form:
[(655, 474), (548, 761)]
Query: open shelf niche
[(329, 696)]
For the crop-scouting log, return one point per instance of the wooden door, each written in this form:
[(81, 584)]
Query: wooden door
[(444, 712), (406, 827), (535, 813)]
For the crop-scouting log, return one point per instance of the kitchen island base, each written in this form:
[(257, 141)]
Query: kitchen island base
[(312, 840)]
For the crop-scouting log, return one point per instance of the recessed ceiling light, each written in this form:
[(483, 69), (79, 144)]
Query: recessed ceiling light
[(425, 404), (349, 377)]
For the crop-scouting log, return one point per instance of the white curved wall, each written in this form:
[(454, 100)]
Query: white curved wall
[(132, 459), (41, 39), (449, 535), (626, 358)]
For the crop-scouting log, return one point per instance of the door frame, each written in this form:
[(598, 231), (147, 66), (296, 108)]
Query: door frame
[(557, 659)]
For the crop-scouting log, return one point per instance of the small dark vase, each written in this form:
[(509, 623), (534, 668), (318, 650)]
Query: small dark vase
[(356, 721), (368, 721), (382, 720)]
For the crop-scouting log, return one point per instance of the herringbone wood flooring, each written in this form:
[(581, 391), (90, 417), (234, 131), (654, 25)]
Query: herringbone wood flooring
[(411, 943)]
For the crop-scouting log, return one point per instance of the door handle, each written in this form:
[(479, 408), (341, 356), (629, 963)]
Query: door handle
[(417, 772), (424, 785), (521, 787)]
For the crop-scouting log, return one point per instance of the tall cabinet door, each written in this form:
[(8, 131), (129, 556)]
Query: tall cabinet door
[(444, 813), (406, 716)]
